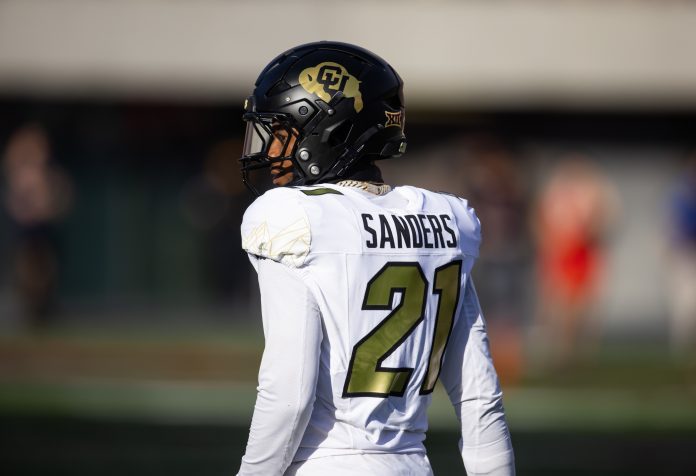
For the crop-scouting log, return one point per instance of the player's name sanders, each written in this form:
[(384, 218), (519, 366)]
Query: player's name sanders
[(409, 231)]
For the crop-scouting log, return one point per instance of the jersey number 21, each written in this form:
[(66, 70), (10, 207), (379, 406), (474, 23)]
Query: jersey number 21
[(366, 375)]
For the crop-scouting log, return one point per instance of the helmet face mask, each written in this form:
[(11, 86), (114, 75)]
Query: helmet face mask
[(336, 104), (269, 143)]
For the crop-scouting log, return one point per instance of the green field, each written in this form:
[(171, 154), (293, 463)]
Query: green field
[(110, 403)]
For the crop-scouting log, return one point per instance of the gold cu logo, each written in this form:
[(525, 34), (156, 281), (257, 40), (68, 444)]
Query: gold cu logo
[(327, 77), (394, 119)]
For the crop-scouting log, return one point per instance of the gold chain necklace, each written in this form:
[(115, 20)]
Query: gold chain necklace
[(374, 188)]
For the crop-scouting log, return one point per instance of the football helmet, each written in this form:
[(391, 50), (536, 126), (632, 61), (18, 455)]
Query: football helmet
[(326, 107)]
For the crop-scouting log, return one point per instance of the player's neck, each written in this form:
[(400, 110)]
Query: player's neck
[(366, 177)]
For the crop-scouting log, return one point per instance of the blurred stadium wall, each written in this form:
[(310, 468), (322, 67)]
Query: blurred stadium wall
[(454, 54)]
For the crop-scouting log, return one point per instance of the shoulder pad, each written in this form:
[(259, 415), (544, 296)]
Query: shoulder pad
[(276, 227)]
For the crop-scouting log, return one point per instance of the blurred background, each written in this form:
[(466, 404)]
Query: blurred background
[(130, 333)]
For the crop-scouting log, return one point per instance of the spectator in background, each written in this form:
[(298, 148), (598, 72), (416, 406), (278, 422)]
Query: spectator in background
[(37, 194), (683, 261), (214, 202), (573, 214), (497, 190)]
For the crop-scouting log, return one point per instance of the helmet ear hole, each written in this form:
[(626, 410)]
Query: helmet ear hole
[(339, 134)]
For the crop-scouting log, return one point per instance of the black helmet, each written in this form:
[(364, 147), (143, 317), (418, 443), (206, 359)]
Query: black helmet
[(342, 104)]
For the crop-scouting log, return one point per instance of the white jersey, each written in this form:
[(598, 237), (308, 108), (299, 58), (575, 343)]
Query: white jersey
[(388, 277)]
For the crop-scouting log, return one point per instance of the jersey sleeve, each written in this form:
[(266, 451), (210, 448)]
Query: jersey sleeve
[(288, 373), (468, 225), (276, 227), (470, 230), (471, 382)]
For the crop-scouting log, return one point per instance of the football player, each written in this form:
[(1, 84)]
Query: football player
[(366, 290)]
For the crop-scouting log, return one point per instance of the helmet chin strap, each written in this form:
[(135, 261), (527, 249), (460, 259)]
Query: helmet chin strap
[(247, 183)]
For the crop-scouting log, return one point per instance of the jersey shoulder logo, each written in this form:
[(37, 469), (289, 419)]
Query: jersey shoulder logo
[(327, 78), (288, 243)]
